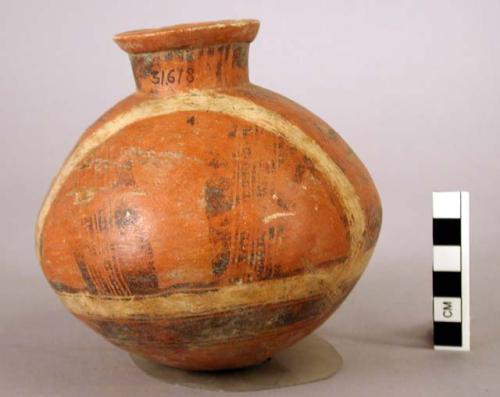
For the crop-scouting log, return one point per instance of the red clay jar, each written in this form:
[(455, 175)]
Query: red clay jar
[(205, 222)]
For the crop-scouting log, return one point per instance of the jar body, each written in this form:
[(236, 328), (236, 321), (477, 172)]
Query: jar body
[(208, 229)]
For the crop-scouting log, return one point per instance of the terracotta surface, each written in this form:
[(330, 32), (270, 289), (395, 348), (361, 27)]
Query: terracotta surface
[(205, 222)]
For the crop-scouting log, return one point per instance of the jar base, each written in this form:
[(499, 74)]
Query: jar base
[(310, 360)]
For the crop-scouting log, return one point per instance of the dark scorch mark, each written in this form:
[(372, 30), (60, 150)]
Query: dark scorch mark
[(125, 217), (219, 265), (216, 196)]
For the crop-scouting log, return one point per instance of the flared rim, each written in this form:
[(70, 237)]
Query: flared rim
[(188, 35)]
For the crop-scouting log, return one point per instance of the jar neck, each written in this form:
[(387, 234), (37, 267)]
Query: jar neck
[(172, 71)]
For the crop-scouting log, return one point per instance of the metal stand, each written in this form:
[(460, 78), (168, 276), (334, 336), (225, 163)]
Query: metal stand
[(310, 360)]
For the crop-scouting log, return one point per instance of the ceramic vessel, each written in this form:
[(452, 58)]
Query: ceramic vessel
[(205, 222)]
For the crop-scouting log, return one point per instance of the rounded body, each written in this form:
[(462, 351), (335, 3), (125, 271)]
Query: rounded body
[(204, 222)]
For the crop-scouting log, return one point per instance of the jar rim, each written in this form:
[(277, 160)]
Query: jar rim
[(188, 35)]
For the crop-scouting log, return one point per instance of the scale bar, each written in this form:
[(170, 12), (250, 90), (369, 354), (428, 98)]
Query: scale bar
[(450, 281)]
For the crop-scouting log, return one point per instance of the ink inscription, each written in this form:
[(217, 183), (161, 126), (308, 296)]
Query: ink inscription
[(172, 76)]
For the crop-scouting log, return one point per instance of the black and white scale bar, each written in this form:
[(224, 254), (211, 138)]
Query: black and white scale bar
[(450, 281)]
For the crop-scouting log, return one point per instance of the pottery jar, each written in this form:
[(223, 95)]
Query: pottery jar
[(205, 222)]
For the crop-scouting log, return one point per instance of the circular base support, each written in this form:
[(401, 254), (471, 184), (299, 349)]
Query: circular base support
[(310, 360)]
